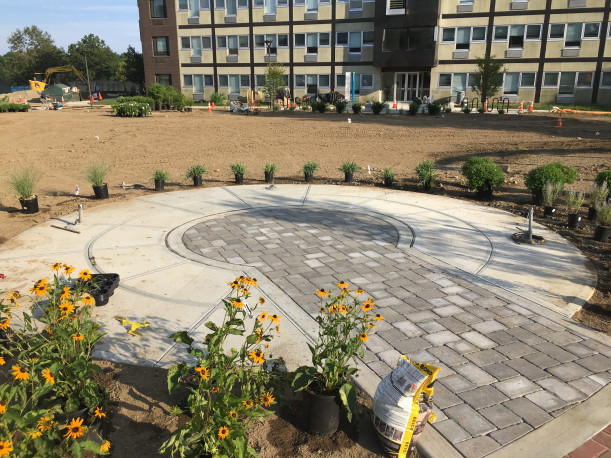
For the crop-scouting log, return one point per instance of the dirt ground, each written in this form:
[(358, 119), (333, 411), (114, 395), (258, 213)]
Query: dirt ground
[(59, 145)]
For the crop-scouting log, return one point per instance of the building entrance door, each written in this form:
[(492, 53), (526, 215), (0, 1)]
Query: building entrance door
[(408, 86)]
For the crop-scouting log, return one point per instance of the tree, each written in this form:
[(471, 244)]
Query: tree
[(31, 50), (134, 66), (274, 80), (102, 61), (489, 77)]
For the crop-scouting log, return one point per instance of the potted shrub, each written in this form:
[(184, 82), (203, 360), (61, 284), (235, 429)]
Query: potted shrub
[(23, 184), (573, 202), (377, 107), (160, 177), (483, 175), (388, 176), (349, 168), (555, 172), (344, 325), (413, 108), (96, 174), (467, 110), (604, 177), (434, 108), (157, 92), (319, 106), (269, 171), (357, 107), (195, 172), (603, 226), (340, 106), (598, 196), (308, 170), (238, 169), (550, 193), (427, 172)]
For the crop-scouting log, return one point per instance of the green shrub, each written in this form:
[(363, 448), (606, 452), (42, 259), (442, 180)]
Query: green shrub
[(161, 175), (427, 172), (603, 177), (196, 171), (550, 193), (413, 108), (599, 194), (501, 111), (156, 92), (448, 110), (434, 108), (574, 200), (310, 167), (270, 168), (481, 110), (467, 110), (388, 173), (218, 98), (603, 215), (239, 168), (319, 106), (179, 101), (96, 173), (349, 166), (23, 183), (377, 107), (131, 109), (555, 172), (482, 173), (357, 107), (340, 106), (138, 99)]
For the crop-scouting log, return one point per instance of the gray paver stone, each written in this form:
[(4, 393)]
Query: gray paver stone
[(542, 360), (500, 416), (555, 352), (408, 328), (483, 396), (376, 344), (459, 300), (431, 327), (380, 368), (441, 338), (486, 327), (563, 338), (500, 371), (422, 356), (516, 387), (411, 345), (513, 321), (525, 336), (457, 383), (478, 447), (511, 433), (454, 325), (501, 337), (462, 347), (390, 315), (562, 390), (391, 335), (478, 340), (467, 318), (425, 315), (390, 357), (451, 431), (602, 377), (596, 363), (485, 357), (444, 398), (447, 355), (469, 420), (474, 374), (527, 369), (599, 347), (586, 385), (546, 400), (580, 350), (529, 412), (448, 310), (569, 371)]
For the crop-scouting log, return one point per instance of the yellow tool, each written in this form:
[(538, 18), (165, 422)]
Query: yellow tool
[(134, 325)]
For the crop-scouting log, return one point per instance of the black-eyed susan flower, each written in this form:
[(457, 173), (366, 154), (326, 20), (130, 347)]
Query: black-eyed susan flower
[(2, 361), (66, 308), (88, 299), (263, 317), (378, 317), (248, 403), (105, 447), (34, 434), (256, 356), (275, 319), (68, 269), (363, 336), (234, 284), (342, 284), (367, 306), (333, 308), (6, 447), (215, 389), (65, 293), (40, 288), (77, 336), (20, 374), (233, 414), (2, 407), (223, 432), (99, 413), (359, 291), (372, 326), (267, 399), (45, 424), (343, 309), (261, 300), (13, 296), (5, 323), (55, 267), (85, 275), (259, 332), (75, 428), (237, 303), (322, 293), (48, 376), (204, 372), (322, 310)]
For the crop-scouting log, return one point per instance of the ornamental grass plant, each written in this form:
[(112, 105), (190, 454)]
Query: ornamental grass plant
[(238, 168), (96, 173), (550, 193), (196, 171), (427, 172), (349, 166), (228, 388), (599, 194), (23, 183), (573, 200), (344, 325), (51, 368)]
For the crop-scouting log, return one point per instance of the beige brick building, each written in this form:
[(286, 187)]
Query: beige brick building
[(555, 51)]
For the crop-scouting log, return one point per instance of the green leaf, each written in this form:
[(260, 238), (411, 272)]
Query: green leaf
[(181, 337), (251, 339), (347, 394), (91, 446), (197, 352), (303, 377), (237, 332), (77, 452), (210, 325), (175, 373)]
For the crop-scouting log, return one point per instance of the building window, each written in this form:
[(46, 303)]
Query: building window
[(209, 80), (501, 32), (300, 81), (354, 42), (341, 39), (299, 2), (165, 80), (243, 41), (356, 5), (606, 80), (445, 80), (527, 79), (516, 36), (459, 82), (367, 81), (196, 44), (221, 42), (198, 84), (311, 5), (448, 35), (312, 84), (259, 41), (232, 44), (323, 39), (223, 80), (273, 47), (556, 32), (260, 79), (511, 84), (591, 30), (187, 80), (573, 35), (207, 42), (185, 43), (160, 46), (324, 81), (258, 3), (231, 7), (368, 38), (242, 4), (463, 38), (312, 41), (219, 4), (550, 79), (244, 80), (340, 80), (158, 9), (533, 32), (283, 40), (567, 83), (204, 5), (183, 5), (300, 40), (584, 79), (478, 34)]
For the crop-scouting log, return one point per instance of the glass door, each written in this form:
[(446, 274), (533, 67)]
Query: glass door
[(234, 84)]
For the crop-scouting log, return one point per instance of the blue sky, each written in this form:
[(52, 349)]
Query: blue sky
[(114, 21)]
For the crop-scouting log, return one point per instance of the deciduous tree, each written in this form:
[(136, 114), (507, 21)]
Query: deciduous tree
[(489, 77)]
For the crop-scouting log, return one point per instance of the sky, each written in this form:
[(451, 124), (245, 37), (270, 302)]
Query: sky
[(114, 21)]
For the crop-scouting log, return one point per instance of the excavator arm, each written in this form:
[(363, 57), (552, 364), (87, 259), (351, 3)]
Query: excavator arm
[(40, 85)]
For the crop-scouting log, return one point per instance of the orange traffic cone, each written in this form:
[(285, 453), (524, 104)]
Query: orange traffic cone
[(209, 107), (55, 100), (521, 109), (486, 105), (394, 102), (559, 121), (20, 100), (91, 98), (213, 105), (63, 103), (531, 107), (100, 96)]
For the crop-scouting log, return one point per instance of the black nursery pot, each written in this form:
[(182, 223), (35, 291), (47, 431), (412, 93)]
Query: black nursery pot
[(101, 192), (537, 197), (105, 287), (484, 193), (592, 213), (321, 413), (348, 177), (549, 211), (602, 233), (269, 177), (388, 182), (197, 181), (574, 220), (159, 185), (309, 177), (239, 178), (29, 205)]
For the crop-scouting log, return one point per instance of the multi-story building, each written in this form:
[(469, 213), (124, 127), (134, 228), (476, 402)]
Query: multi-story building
[(554, 51)]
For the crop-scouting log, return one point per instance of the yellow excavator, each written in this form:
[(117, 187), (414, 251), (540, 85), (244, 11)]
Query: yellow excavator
[(40, 85)]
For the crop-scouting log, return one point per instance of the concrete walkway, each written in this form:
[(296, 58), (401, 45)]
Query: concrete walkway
[(454, 288)]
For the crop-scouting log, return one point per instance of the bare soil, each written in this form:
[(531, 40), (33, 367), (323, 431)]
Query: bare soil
[(59, 145)]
